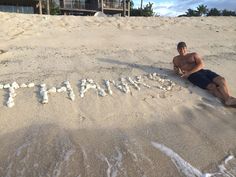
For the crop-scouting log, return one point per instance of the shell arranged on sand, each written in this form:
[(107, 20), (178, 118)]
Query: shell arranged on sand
[(139, 81), (163, 83), (15, 85), (44, 93), (101, 91), (85, 85), (107, 84), (123, 85), (23, 85), (30, 85), (133, 83), (6, 86), (70, 90), (10, 102), (62, 89), (52, 90)]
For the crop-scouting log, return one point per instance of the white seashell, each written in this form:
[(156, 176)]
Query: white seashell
[(30, 85), (45, 98), (162, 80), (125, 86), (72, 96), (52, 90), (62, 89), (68, 86), (11, 90), (83, 82), (122, 79), (1, 86), (148, 86), (138, 78), (42, 85), (107, 83), (168, 88), (90, 81), (66, 82), (23, 85), (101, 91), (133, 83), (6, 86), (15, 85), (10, 104), (12, 94), (10, 99), (150, 76)]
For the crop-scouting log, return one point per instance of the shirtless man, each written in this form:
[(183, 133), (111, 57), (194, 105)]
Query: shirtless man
[(190, 66)]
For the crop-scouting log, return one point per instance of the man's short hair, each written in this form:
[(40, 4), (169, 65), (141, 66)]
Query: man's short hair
[(181, 45)]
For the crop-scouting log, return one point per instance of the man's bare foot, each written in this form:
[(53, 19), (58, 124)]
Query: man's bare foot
[(231, 101)]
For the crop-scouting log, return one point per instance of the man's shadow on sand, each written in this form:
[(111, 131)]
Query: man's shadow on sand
[(150, 69), (163, 70)]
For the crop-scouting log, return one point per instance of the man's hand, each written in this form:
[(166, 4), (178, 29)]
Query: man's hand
[(185, 75), (178, 70)]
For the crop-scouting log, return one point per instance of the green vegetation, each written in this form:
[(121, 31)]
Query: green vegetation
[(54, 8), (203, 11), (147, 11)]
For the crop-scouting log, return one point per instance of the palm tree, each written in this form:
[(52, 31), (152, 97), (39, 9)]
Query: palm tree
[(228, 13), (214, 12), (191, 12), (202, 10)]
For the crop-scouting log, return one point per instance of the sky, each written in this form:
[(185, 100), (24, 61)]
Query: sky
[(178, 7)]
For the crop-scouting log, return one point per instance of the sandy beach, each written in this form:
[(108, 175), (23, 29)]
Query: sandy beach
[(159, 126)]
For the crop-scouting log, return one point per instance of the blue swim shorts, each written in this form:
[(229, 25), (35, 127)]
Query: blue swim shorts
[(202, 78)]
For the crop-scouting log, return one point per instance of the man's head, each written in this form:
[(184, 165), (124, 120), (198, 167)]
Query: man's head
[(182, 48)]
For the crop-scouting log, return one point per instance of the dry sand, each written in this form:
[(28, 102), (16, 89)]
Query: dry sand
[(115, 135)]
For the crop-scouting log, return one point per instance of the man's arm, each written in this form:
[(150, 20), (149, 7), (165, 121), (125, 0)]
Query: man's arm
[(177, 70)]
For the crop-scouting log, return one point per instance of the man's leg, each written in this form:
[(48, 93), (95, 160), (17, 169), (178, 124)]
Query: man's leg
[(212, 88), (223, 89)]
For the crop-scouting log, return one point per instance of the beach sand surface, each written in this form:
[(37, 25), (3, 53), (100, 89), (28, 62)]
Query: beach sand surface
[(123, 134)]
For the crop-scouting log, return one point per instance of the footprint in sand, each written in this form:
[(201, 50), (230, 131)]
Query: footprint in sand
[(2, 51)]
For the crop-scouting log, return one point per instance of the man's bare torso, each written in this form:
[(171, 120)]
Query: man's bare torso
[(185, 63)]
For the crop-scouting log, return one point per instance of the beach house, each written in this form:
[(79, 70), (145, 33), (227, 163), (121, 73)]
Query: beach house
[(67, 7), (25, 6), (90, 7)]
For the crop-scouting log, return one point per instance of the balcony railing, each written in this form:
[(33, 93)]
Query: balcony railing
[(112, 5), (74, 4)]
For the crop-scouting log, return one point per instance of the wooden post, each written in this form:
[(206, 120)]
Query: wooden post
[(102, 6), (124, 8), (128, 8), (48, 7), (40, 7), (141, 8), (17, 8)]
